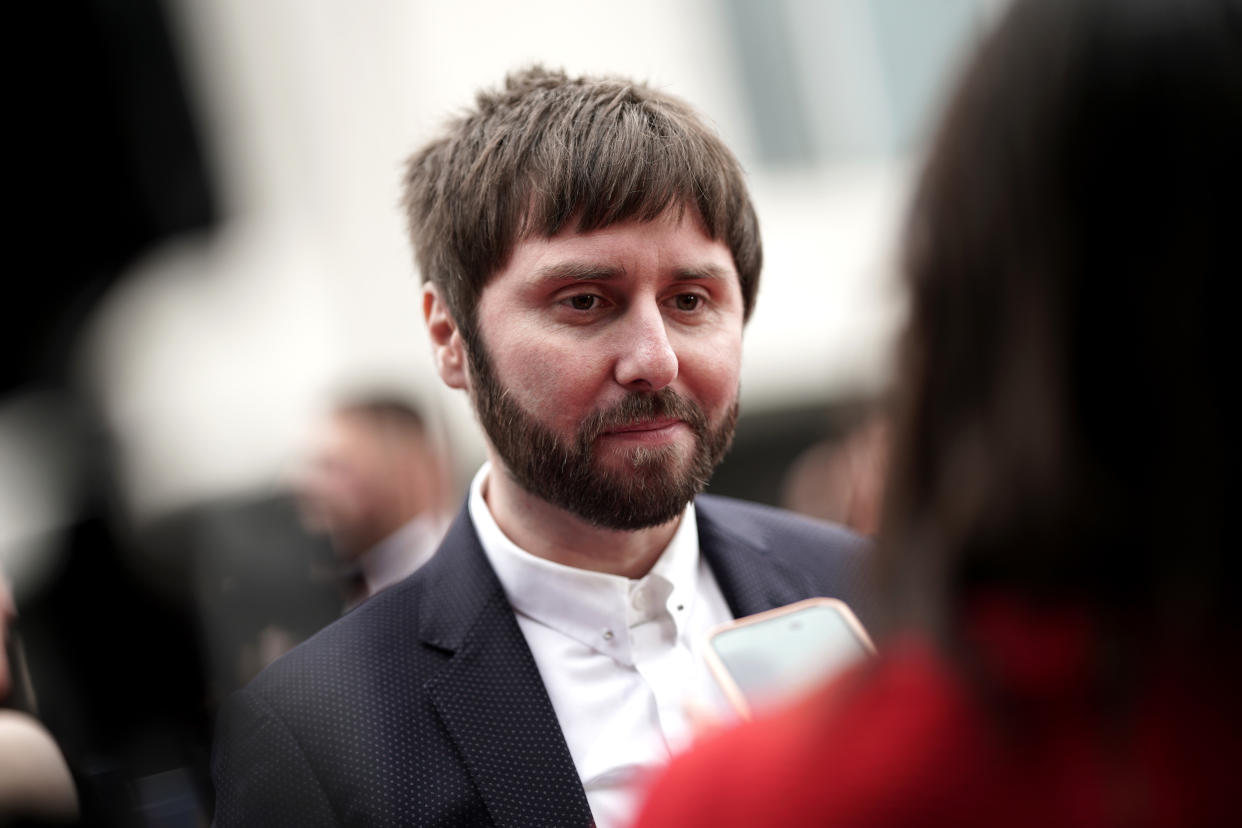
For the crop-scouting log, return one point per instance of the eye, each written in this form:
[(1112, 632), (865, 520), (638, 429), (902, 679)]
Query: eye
[(583, 301), (687, 301)]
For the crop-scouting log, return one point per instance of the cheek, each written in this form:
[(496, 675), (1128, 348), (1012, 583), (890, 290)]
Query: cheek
[(712, 373), (557, 382)]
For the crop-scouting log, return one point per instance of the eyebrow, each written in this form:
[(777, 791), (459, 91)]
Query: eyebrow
[(578, 272), (587, 271), (707, 271)]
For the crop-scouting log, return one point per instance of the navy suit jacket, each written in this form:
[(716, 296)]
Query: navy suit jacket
[(424, 706)]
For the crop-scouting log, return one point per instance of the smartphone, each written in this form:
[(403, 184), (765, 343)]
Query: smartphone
[(763, 660)]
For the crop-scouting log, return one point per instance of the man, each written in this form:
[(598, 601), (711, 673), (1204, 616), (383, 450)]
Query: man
[(590, 256), (375, 485)]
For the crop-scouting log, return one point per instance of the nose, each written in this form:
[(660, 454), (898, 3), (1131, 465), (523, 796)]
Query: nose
[(646, 361)]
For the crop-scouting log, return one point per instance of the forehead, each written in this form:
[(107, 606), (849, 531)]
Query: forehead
[(674, 244), (337, 435)]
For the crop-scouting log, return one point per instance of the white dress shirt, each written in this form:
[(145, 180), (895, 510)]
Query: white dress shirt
[(619, 657)]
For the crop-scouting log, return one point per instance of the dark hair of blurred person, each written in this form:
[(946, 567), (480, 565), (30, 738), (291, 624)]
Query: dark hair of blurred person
[(1063, 627)]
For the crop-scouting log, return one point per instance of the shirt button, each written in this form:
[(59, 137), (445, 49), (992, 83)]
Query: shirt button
[(608, 635)]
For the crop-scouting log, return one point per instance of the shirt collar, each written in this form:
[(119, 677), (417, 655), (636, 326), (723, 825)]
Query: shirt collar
[(594, 608)]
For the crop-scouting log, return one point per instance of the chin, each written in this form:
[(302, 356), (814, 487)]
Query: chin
[(630, 459)]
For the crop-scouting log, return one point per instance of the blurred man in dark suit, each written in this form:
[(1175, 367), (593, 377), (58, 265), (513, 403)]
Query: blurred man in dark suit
[(376, 485)]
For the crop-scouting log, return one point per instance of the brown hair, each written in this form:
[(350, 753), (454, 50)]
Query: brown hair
[(547, 150), (384, 412), (1064, 416)]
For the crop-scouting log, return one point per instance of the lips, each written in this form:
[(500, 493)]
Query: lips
[(644, 426)]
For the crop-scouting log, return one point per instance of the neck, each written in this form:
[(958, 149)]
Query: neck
[(552, 533)]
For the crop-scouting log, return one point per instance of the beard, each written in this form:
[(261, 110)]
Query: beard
[(650, 487)]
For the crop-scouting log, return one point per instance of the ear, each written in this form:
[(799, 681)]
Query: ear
[(447, 348)]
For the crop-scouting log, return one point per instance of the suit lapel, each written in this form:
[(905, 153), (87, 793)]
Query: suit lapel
[(490, 696), (751, 578)]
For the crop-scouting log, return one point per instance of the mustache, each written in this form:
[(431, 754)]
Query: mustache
[(639, 407)]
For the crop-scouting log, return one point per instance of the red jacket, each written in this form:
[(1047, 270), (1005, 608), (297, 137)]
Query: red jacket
[(903, 741)]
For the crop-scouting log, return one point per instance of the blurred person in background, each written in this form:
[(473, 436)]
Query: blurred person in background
[(271, 568), (590, 256), (842, 480), (378, 486), (36, 787), (109, 646), (1063, 626)]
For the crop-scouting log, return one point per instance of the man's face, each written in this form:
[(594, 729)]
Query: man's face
[(606, 375), (337, 490), (362, 481)]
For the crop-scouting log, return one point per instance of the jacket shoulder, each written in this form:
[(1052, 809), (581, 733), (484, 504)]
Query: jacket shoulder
[(773, 526), (378, 636), (301, 743), (766, 557)]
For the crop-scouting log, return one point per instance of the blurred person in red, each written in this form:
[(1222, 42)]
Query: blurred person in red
[(378, 485), (1062, 636)]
